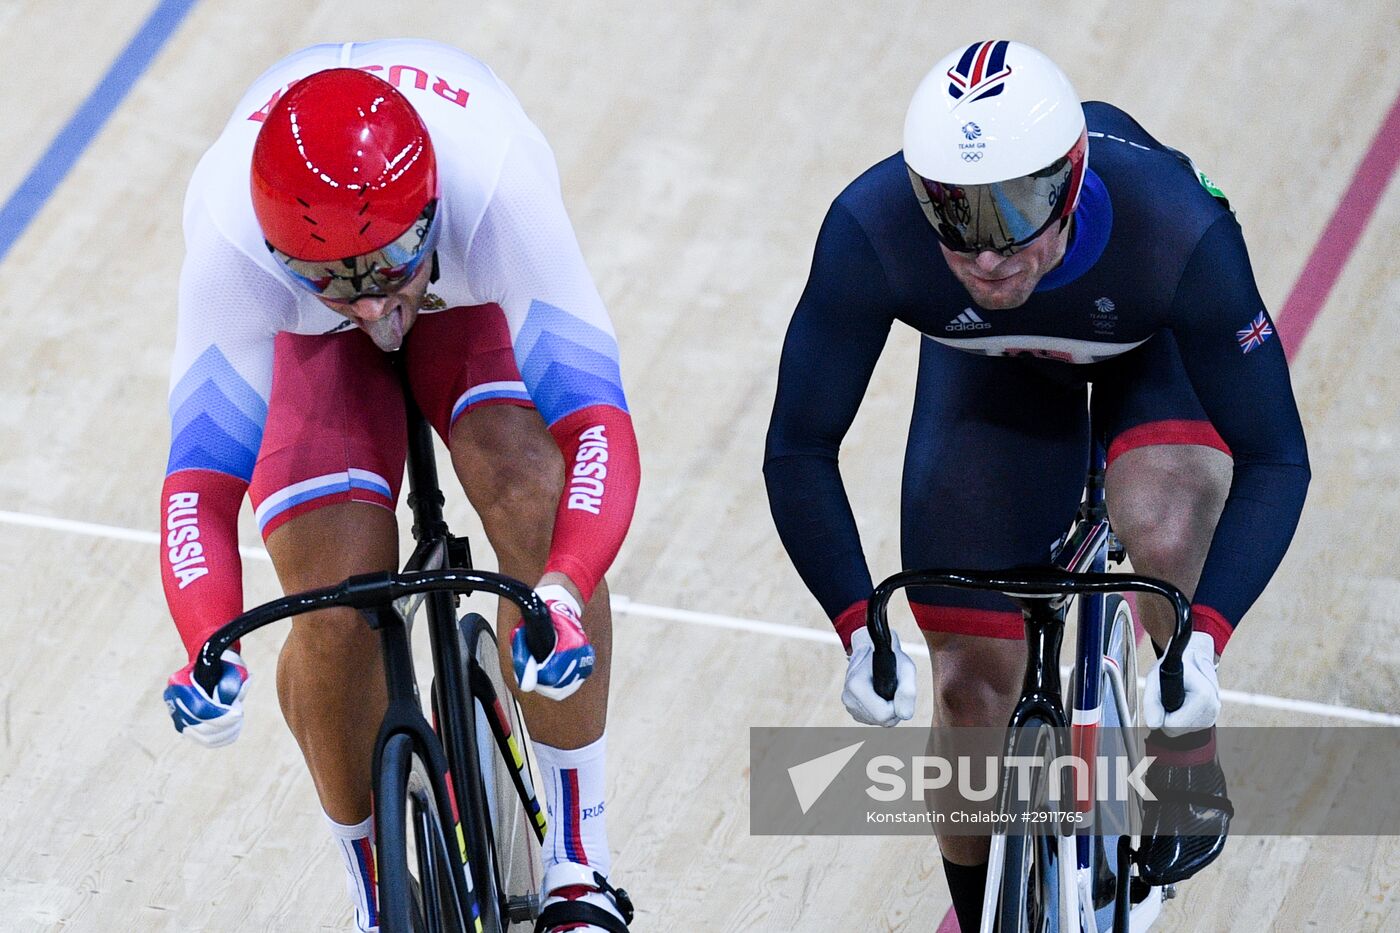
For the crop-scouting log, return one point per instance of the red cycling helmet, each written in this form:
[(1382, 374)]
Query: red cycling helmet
[(344, 184)]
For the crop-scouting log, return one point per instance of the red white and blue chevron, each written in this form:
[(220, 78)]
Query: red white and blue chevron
[(981, 72), (216, 419), (567, 363)]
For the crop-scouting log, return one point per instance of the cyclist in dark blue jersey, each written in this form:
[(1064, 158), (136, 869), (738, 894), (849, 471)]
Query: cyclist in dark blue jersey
[(1041, 247)]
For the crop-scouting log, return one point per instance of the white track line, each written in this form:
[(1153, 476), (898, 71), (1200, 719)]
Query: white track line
[(103, 531), (1308, 706), (624, 605)]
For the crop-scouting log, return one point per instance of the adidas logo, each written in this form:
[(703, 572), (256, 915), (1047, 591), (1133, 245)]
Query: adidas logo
[(968, 320)]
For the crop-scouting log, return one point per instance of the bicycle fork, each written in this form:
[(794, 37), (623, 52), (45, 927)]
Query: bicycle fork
[(1039, 706)]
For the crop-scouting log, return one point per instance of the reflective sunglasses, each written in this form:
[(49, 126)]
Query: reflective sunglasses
[(1003, 216), (373, 274)]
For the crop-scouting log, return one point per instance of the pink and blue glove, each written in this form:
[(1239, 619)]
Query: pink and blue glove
[(569, 663), (213, 719)]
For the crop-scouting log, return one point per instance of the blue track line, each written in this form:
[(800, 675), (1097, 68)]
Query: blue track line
[(70, 143)]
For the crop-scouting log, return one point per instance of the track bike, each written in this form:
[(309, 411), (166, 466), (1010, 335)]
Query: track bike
[(1063, 880), (458, 824)]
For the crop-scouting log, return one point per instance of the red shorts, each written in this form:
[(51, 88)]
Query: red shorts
[(336, 429)]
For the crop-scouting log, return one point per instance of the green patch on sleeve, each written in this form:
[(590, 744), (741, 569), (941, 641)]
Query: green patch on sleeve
[(1209, 185)]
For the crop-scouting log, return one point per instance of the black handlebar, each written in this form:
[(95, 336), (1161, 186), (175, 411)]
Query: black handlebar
[(1032, 583), (377, 591)]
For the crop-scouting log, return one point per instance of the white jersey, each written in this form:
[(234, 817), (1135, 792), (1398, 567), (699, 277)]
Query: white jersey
[(505, 238)]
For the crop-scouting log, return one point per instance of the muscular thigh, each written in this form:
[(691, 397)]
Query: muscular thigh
[(328, 472), (464, 375), (334, 433), (1168, 469), (461, 361), (993, 472), (1144, 399)]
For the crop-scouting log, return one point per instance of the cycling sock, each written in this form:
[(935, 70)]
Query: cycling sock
[(967, 884), (573, 781), (356, 845)]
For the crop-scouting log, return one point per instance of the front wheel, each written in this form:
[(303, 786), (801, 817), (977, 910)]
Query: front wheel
[(422, 888), (1030, 889), (517, 823)]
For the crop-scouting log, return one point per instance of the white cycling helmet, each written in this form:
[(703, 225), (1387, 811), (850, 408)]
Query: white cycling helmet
[(996, 147)]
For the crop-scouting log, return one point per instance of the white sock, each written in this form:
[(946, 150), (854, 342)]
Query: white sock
[(356, 845), (573, 781)]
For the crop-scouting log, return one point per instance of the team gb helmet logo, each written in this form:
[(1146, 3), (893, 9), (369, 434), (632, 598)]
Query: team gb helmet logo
[(980, 73)]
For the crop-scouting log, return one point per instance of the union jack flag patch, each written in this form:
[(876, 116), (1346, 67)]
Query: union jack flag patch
[(1258, 331)]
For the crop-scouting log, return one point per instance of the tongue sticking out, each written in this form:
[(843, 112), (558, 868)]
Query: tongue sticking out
[(387, 332)]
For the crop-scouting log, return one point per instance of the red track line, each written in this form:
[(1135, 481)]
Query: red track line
[(1341, 234)]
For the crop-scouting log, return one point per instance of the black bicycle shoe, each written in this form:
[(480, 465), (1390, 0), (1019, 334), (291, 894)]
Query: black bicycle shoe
[(1184, 829)]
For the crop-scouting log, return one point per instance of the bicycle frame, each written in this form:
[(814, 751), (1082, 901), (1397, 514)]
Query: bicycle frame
[(456, 726), (1043, 594), (439, 570), (1086, 686)]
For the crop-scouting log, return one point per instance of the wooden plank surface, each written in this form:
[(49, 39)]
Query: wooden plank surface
[(699, 144)]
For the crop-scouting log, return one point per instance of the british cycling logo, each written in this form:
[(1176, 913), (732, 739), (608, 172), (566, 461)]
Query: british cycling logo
[(1104, 316), (980, 73)]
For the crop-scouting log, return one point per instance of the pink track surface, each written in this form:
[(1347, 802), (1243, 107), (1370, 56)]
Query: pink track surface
[(1341, 234)]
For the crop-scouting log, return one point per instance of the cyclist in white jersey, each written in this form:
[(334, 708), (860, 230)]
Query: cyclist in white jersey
[(400, 199)]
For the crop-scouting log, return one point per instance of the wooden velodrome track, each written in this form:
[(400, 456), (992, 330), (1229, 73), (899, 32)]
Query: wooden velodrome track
[(700, 144)]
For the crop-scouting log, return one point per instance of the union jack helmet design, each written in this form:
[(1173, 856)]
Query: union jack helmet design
[(996, 146), (981, 72)]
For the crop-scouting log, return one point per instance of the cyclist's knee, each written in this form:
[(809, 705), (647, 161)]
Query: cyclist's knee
[(976, 680), (1166, 549), (1164, 503), (1167, 536), (334, 637)]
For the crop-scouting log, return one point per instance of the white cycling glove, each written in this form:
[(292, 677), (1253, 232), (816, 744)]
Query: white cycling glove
[(1202, 703), (862, 702)]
